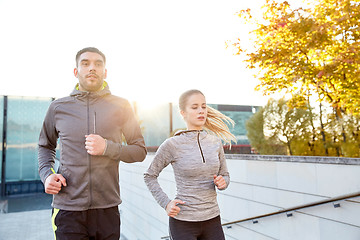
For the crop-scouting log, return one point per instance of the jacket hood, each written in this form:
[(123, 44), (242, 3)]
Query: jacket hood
[(104, 91)]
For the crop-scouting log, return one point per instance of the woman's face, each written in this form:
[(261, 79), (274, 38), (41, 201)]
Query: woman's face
[(195, 112)]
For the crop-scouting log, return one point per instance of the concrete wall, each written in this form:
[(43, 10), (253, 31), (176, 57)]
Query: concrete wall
[(259, 185)]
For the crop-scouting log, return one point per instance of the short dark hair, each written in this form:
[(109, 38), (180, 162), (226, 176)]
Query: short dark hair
[(89, 49)]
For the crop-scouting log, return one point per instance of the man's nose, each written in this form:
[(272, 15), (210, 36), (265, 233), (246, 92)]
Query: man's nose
[(92, 67)]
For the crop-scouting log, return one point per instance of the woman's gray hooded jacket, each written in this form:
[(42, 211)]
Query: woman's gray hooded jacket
[(196, 157)]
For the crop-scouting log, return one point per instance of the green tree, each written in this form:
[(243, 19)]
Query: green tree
[(279, 129), (344, 135), (255, 133), (266, 145), (352, 127)]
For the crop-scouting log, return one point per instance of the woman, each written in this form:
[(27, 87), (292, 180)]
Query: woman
[(198, 160)]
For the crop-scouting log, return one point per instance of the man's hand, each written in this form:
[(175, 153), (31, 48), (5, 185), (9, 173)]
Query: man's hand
[(95, 144), (220, 182), (172, 209), (53, 183)]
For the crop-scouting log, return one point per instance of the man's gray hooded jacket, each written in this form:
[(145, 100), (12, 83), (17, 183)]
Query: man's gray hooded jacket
[(92, 181)]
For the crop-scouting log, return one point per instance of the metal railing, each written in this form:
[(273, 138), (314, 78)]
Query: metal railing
[(289, 211)]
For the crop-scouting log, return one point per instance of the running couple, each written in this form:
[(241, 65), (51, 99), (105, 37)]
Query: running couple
[(90, 124)]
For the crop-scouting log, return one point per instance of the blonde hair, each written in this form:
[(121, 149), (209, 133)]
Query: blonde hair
[(216, 122)]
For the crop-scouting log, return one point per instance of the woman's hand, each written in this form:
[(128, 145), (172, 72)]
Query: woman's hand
[(220, 182), (172, 209)]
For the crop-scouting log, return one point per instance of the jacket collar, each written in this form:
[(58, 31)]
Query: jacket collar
[(191, 133), (104, 91)]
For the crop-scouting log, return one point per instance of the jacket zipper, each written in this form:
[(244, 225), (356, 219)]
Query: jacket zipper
[(198, 140), (88, 155)]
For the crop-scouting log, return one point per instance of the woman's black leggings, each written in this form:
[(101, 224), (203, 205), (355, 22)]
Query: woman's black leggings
[(204, 230)]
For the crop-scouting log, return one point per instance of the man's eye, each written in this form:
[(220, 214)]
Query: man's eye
[(84, 64)]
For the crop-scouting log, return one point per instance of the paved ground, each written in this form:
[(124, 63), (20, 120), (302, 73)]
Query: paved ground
[(30, 225), (27, 217)]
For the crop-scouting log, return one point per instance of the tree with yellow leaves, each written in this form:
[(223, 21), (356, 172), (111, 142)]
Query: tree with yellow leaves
[(311, 54)]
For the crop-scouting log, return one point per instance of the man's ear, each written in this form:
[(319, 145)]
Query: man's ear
[(75, 72), (105, 73)]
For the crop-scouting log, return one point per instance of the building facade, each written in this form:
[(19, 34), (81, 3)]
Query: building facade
[(21, 120)]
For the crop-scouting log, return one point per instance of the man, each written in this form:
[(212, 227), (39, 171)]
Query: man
[(90, 124)]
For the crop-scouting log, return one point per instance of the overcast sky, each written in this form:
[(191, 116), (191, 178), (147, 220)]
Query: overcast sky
[(155, 49)]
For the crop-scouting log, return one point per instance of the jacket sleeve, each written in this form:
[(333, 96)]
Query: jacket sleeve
[(161, 160), (134, 150), (47, 145), (223, 170)]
